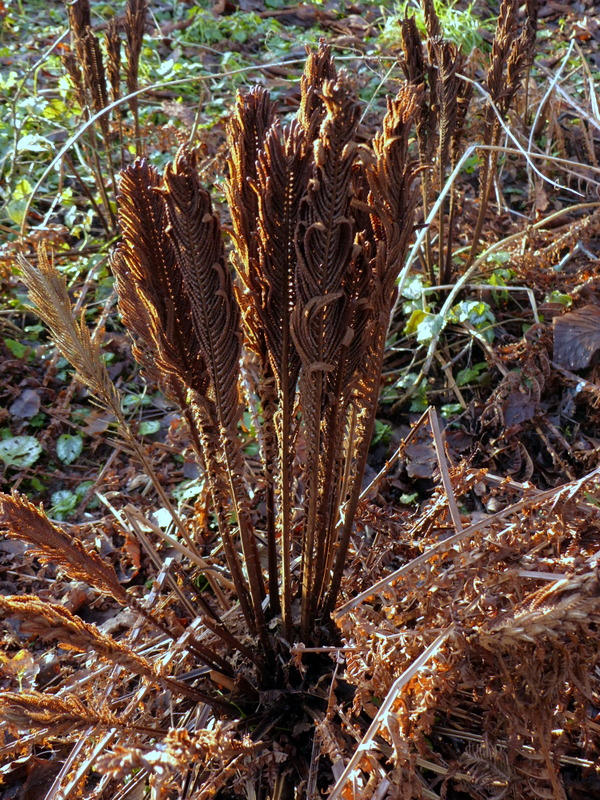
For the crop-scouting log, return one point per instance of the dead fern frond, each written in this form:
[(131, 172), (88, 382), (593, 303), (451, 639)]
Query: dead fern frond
[(555, 611), (52, 622), (325, 253), (318, 70), (25, 710), (134, 24), (79, 17), (22, 520), (154, 306), (113, 51), (48, 291)]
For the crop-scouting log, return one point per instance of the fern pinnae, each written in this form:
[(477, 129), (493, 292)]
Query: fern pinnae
[(53, 622), (246, 131), (283, 169), (392, 198), (196, 234), (48, 292), (325, 250), (134, 24), (20, 519), (318, 69), (152, 300), (27, 709)]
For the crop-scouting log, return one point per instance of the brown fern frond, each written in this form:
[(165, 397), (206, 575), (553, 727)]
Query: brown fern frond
[(521, 54), (73, 68), (134, 24), (179, 748), (155, 303), (284, 166), (511, 52), (52, 622), (318, 70), (432, 22), (113, 50), (48, 292), (393, 200), (29, 709), (196, 234), (253, 116), (283, 171), (449, 62), (20, 519), (95, 76), (246, 131), (152, 300), (421, 74), (552, 612), (505, 35), (79, 17), (326, 251), (392, 193)]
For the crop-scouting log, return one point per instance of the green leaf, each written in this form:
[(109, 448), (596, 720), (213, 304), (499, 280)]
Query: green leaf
[(18, 349), (68, 448), (415, 319), (37, 484), (431, 325), (33, 143), (413, 289), (188, 489), (149, 427), (450, 409), (382, 433), (64, 502), (20, 451), (469, 374)]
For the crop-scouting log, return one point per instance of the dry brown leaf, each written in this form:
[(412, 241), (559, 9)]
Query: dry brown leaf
[(577, 337)]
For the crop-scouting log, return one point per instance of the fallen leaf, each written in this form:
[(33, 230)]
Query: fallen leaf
[(26, 405), (517, 408), (421, 460), (577, 337)]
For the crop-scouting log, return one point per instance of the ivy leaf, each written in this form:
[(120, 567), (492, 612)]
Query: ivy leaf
[(68, 448), (20, 451), (149, 427)]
